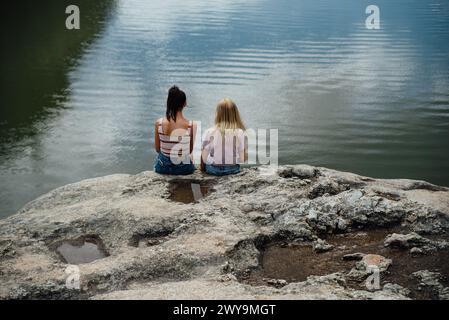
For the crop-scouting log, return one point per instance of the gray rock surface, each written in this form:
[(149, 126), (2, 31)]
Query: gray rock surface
[(432, 280), (159, 248), (416, 243), (369, 264), (322, 246)]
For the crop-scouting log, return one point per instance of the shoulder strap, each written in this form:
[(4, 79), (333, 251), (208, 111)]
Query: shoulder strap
[(159, 122)]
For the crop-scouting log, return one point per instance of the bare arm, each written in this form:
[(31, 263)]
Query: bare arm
[(157, 142), (194, 127), (204, 155)]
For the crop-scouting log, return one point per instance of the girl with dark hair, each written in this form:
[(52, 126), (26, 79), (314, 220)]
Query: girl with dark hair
[(174, 137)]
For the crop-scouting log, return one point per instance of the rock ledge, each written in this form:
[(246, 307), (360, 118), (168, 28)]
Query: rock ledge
[(158, 248)]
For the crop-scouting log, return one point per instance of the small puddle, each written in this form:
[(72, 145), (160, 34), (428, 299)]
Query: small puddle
[(82, 250), (189, 191), (295, 262)]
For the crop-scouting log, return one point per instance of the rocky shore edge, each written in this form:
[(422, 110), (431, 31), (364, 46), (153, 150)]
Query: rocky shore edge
[(202, 237)]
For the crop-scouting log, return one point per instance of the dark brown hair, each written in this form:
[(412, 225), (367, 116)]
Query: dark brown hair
[(176, 101)]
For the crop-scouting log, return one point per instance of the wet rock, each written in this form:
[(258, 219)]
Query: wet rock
[(156, 245)]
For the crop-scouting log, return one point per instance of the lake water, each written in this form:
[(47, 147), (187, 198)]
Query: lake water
[(81, 104)]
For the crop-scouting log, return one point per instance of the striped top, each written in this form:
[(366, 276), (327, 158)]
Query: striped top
[(178, 144)]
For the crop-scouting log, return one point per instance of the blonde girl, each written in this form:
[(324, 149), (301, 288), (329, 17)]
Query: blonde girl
[(224, 145)]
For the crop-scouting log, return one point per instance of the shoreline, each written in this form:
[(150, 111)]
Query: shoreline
[(146, 234)]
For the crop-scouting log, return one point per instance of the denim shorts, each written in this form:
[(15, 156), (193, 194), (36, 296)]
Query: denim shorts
[(164, 165), (222, 170)]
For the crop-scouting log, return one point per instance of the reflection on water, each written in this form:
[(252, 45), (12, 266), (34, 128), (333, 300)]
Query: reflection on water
[(37, 55), (371, 101)]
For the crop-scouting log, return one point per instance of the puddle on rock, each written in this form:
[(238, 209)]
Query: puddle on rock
[(81, 250), (295, 262), (189, 191)]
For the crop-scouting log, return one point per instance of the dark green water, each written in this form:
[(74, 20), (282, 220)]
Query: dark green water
[(80, 104)]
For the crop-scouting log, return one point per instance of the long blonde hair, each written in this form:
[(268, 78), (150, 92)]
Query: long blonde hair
[(227, 116)]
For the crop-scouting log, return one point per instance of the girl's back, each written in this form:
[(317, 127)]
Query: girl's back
[(225, 145), (178, 127), (174, 137)]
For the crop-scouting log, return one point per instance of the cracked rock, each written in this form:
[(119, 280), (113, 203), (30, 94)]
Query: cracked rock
[(190, 245)]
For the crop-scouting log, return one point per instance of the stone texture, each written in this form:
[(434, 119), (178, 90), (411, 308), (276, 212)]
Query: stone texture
[(377, 261), (368, 265), (431, 280), (417, 243), (163, 249), (322, 246)]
